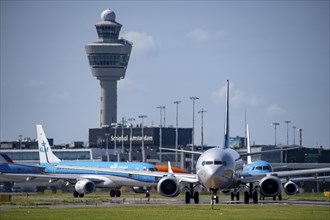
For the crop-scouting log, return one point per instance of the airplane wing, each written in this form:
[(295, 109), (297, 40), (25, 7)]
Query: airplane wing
[(268, 151), (282, 174), (182, 177), (184, 151)]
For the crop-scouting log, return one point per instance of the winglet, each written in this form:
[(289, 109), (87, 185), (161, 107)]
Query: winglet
[(226, 137), (46, 154), (170, 168)]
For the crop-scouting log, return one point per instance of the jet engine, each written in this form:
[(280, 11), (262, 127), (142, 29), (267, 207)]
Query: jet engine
[(168, 186), (290, 188), (270, 186), (84, 186)]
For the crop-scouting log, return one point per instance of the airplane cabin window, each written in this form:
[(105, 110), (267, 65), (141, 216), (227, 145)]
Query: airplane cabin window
[(217, 162), (209, 162)]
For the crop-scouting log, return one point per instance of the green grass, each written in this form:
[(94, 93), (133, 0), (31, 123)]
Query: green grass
[(38, 199), (200, 212)]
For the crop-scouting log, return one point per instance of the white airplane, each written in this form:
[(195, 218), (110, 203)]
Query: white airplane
[(217, 169)]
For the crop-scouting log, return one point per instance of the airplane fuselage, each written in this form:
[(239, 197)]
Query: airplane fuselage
[(104, 179), (216, 168)]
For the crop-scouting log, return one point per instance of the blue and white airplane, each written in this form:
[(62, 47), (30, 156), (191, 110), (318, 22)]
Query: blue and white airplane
[(85, 181), (217, 169), (8, 167), (262, 167)]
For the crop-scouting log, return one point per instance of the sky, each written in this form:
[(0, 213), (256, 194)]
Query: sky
[(275, 54)]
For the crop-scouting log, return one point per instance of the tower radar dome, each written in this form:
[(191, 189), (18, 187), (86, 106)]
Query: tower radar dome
[(108, 15)]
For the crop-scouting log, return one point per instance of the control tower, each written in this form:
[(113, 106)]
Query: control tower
[(108, 59)]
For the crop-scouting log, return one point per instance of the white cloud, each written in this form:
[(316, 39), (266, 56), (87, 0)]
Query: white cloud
[(275, 110), (143, 44), (201, 35), (237, 97)]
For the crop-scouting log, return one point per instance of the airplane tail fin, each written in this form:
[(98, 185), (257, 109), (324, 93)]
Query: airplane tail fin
[(249, 158), (4, 158), (46, 154), (226, 136)]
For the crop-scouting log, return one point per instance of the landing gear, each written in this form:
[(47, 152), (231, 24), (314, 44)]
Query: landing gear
[(255, 197), (215, 197), (233, 195), (246, 197), (192, 194), (76, 194), (252, 193), (115, 193)]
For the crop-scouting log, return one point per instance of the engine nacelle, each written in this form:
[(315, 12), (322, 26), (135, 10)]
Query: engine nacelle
[(84, 186), (168, 186), (270, 186), (290, 188)]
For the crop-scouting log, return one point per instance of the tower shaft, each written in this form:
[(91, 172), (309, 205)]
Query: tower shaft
[(108, 102)]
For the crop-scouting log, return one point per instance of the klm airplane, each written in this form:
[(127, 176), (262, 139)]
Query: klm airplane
[(52, 169), (86, 181), (8, 167)]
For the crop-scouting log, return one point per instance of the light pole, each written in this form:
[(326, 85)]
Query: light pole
[(177, 130), (160, 131), (202, 129), (275, 125), (193, 98), (300, 136), (130, 138), (142, 134), (122, 135), (115, 140), (294, 135), (287, 131), (107, 134)]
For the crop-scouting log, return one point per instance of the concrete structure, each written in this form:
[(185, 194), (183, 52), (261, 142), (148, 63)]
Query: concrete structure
[(108, 59)]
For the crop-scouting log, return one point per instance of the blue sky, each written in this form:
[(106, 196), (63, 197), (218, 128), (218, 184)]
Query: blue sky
[(275, 54)]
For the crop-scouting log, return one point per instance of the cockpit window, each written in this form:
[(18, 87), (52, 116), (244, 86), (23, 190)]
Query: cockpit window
[(216, 162), (266, 168), (209, 162)]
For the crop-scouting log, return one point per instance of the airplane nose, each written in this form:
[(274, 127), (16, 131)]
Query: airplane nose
[(215, 177)]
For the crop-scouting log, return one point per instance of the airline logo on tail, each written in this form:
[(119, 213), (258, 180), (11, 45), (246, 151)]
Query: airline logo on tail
[(46, 154)]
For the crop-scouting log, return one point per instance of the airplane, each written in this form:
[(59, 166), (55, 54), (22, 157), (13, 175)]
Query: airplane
[(261, 167), (15, 176), (217, 169), (86, 181), (8, 167)]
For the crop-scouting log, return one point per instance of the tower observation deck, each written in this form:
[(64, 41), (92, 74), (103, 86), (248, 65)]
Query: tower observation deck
[(108, 59)]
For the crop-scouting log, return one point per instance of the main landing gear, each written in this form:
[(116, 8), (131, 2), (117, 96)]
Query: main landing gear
[(115, 193), (76, 194), (191, 194), (233, 195), (252, 193)]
